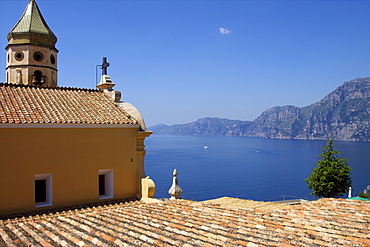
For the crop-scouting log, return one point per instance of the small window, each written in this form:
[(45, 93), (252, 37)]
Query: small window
[(102, 185), (105, 184), (52, 59), (43, 190), (40, 190), (37, 56), (19, 56)]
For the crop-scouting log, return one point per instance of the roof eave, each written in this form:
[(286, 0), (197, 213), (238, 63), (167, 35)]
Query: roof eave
[(66, 125)]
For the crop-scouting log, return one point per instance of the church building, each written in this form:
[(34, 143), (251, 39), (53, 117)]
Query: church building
[(62, 146)]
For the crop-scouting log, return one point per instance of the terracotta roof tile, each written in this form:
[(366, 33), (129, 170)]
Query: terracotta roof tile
[(32, 105), (333, 222)]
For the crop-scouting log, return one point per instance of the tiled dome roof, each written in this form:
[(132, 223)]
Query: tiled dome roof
[(33, 28)]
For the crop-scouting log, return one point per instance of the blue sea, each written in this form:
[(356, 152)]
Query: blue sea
[(244, 167)]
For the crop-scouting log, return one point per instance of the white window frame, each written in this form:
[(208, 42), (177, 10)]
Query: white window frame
[(109, 187), (49, 189)]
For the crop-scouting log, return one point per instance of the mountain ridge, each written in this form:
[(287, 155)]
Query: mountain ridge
[(343, 114)]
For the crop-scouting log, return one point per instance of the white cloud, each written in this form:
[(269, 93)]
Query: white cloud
[(224, 30)]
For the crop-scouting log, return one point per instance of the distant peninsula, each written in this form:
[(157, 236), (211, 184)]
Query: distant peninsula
[(343, 114)]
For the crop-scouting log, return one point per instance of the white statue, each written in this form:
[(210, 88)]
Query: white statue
[(350, 192)]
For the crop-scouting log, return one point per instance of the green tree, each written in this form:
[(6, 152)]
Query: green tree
[(331, 176)]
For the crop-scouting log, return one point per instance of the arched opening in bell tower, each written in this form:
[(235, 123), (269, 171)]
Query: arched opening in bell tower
[(37, 78)]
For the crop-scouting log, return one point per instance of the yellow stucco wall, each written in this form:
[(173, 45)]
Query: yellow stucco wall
[(73, 156)]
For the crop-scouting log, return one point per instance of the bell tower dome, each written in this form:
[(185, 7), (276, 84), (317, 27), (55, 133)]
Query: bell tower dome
[(31, 57)]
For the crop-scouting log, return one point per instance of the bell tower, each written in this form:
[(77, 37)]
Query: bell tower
[(31, 57)]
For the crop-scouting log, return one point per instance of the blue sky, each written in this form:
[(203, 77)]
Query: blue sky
[(172, 60)]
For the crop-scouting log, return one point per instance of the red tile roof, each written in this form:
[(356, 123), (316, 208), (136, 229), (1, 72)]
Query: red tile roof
[(32, 105), (328, 222)]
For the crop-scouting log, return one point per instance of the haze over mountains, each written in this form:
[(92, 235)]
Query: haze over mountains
[(343, 114)]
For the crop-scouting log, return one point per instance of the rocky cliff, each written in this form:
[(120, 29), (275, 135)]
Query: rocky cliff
[(203, 126), (343, 114)]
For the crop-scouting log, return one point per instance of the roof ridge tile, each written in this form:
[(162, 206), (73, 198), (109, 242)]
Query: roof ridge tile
[(51, 88)]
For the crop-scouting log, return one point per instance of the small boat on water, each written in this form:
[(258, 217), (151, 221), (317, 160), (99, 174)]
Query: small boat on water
[(205, 147)]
